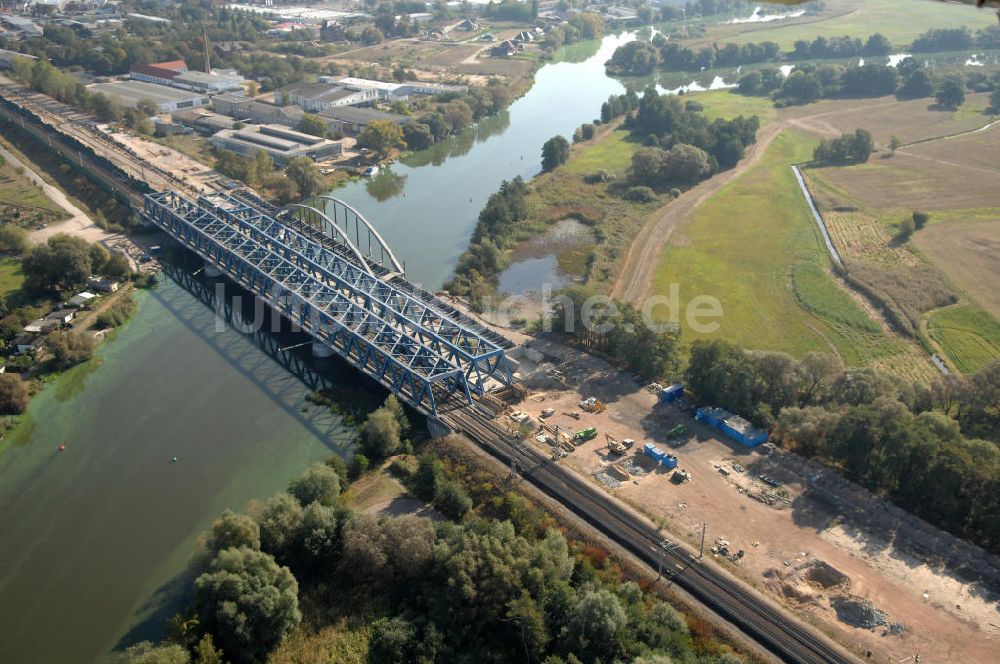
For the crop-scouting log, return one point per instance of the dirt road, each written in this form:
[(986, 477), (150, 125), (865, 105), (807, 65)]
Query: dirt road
[(643, 256), (79, 224)]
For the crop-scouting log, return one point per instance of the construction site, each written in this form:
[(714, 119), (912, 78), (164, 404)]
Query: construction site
[(799, 532)]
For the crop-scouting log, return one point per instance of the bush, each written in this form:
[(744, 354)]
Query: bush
[(14, 396), (640, 195), (359, 465), (117, 313), (70, 348), (555, 152), (598, 177), (920, 219), (450, 499), (13, 239)]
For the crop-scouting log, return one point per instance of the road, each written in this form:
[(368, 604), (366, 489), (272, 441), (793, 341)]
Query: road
[(744, 608), (643, 256)]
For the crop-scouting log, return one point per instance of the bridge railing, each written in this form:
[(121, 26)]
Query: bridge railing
[(359, 335), (479, 357)]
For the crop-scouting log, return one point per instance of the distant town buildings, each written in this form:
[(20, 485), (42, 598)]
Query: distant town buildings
[(279, 142), (166, 98)]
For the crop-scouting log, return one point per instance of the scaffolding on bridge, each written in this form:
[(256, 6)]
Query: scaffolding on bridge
[(405, 343)]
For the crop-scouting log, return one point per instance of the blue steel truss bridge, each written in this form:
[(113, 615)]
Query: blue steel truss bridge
[(326, 269)]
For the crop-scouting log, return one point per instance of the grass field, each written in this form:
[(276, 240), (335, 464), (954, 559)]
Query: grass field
[(17, 189), (727, 105), (967, 334), (11, 277), (899, 21), (613, 153), (754, 247)]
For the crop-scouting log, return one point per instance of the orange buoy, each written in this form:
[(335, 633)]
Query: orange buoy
[(62, 447)]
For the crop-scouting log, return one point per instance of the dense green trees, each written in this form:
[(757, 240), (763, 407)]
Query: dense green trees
[(248, 601), (646, 347), (487, 255), (911, 442), (847, 148), (555, 152), (382, 136), (14, 396), (69, 348), (636, 58), (13, 239), (304, 173), (950, 93)]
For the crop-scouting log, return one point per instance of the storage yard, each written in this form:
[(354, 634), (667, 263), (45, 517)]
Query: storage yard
[(770, 516)]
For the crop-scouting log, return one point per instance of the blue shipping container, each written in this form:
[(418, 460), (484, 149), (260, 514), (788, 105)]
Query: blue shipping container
[(672, 393)]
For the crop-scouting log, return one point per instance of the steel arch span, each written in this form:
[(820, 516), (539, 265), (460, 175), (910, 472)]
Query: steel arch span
[(338, 218)]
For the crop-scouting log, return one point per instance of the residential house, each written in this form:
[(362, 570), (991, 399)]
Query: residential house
[(26, 344), (468, 25), (42, 326), (102, 285), (524, 37), (506, 48), (62, 316), (81, 300)]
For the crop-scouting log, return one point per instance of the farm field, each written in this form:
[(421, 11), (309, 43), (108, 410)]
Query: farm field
[(969, 253), (967, 334), (754, 246), (911, 120), (899, 22), (925, 182)]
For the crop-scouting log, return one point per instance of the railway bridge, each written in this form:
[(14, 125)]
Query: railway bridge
[(326, 269)]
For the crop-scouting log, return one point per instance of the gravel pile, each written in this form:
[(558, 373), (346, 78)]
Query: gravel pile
[(858, 612)]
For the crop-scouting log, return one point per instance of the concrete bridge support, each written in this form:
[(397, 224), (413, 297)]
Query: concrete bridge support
[(437, 428), (321, 350), (211, 271)]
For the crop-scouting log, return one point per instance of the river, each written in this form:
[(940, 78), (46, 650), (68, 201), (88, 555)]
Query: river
[(93, 539), (430, 215)]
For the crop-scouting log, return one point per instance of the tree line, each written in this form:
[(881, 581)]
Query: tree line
[(682, 146), (492, 239), (639, 58), (914, 443), (908, 80), (501, 583)]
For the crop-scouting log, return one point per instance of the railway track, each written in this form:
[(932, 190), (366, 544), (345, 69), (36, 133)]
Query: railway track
[(784, 637)]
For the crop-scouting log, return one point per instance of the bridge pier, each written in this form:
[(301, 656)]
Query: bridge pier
[(210, 270), (321, 350), (437, 428)]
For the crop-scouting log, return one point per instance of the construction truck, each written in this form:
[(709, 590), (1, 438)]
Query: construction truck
[(615, 446), (583, 435), (592, 405)]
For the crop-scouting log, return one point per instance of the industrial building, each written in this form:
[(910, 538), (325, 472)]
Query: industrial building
[(280, 143), (246, 109), (316, 97), (167, 99), (352, 121), (162, 73), (209, 83)]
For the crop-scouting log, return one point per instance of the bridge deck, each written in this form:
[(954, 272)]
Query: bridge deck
[(411, 346)]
